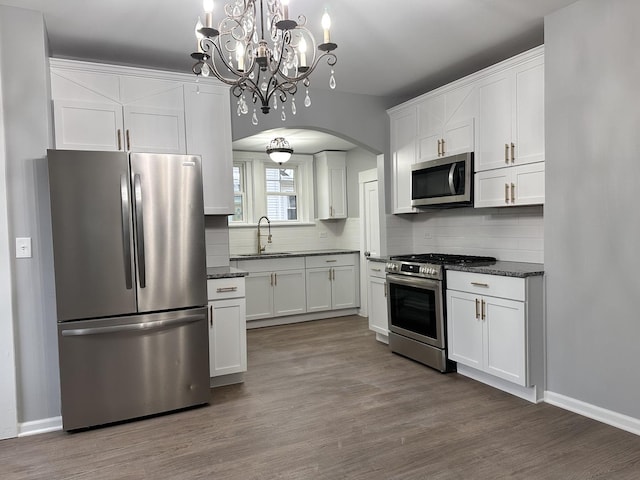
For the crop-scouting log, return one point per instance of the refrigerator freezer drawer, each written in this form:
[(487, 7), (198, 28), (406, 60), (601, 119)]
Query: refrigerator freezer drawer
[(126, 367)]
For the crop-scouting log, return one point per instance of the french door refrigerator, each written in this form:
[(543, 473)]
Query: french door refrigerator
[(130, 277)]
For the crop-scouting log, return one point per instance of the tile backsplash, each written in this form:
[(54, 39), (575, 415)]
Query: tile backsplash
[(216, 235)]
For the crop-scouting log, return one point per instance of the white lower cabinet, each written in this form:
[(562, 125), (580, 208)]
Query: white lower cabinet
[(332, 282), (377, 299), (227, 326), (275, 287), (495, 326)]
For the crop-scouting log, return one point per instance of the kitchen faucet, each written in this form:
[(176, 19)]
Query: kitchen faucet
[(261, 247)]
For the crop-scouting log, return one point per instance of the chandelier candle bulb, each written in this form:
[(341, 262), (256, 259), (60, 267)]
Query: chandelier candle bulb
[(207, 5), (199, 35), (326, 26), (302, 48), (285, 9), (240, 56)]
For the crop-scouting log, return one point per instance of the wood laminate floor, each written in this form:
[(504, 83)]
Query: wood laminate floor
[(324, 400)]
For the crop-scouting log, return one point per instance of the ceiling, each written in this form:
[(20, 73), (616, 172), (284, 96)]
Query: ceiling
[(390, 49)]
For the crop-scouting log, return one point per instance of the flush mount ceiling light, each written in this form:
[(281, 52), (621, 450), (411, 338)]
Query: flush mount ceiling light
[(279, 150), (269, 68)]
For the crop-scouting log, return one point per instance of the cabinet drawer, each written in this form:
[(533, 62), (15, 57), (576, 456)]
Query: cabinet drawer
[(483, 284), (376, 269), (271, 264), (318, 261), (221, 288)]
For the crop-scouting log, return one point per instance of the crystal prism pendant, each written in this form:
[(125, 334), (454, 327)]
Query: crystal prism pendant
[(283, 116), (307, 99), (293, 105), (254, 118), (275, 103), (205, 70), (332, 81)]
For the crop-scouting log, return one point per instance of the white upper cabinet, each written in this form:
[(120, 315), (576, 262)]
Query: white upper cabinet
[(445, 123), (331, 181), (510, 128), (403, 156)]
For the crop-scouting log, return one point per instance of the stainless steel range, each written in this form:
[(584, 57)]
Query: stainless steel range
[(416, 305)]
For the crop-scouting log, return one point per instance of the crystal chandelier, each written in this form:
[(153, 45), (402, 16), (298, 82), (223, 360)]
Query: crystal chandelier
[(279, 150), (266, 69)]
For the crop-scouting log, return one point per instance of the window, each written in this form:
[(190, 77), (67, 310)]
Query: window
[(282, 199), (239, 195)]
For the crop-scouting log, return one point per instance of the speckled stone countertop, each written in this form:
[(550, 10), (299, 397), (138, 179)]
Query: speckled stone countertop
[(506, 269), (379, 259), (308, 253), (225, 272)]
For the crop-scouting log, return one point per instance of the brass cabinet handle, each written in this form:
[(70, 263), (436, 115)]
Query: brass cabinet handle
[(333, 270), (331, 211), (329, 274), (513, 152), (443, 147), (211, 316), (128, 140), (513, 193), (477, 309), (275, 279), (376, 270), (479, 284), (226, 289), (439, 147), (119, 140), (483, 304), (506, 193), (271, 281), (506, 153), (385, 289), (331, 261)]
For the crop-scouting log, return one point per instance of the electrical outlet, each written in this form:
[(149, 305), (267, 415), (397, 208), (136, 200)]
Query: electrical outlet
[(322, 234), (23, 247)]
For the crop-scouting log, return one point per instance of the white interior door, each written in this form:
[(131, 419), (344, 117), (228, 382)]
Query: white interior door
[(369, 228)]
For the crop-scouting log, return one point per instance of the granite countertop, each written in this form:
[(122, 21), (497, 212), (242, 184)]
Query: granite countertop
[(505, 269), (307, 253), (225, 272), (378, 259)]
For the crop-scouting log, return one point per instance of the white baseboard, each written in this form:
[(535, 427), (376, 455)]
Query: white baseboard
[(600, 414), (303, 317), (43, 425), (531, 394)]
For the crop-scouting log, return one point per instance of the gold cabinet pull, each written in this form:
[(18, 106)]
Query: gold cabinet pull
[(331, 261), (483, 305), (506, 193), (119, 140), (385, 289), (275, 279), (513, 152), (128, 140), (477, 309), (439, 147), (443, 147), (513, 193), (480, 284), (211, 316), (333, 271), (271, 281), (226, 289), (329, 274), (506, 153), (376, 270)]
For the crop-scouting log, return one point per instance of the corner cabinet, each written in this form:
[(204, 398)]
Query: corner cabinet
[(331, 182), (495, 326), (113, 108), (332, 282), (227, 326), (377, 300)]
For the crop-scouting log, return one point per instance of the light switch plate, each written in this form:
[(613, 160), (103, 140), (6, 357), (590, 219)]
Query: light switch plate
[(23, 247)]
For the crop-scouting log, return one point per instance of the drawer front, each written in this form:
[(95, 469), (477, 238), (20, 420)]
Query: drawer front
[(483, 284), (376, 269), (222, 288), (340, 260), (271, 264)]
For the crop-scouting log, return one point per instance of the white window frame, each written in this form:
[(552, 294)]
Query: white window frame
[(247, 174), (256, 186)]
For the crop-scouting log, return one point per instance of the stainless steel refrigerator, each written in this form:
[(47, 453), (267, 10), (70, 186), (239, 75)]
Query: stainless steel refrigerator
[(130, 276)]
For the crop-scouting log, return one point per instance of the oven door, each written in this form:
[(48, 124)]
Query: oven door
[(415, 309)]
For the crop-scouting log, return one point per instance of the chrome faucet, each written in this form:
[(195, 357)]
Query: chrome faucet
[(261, 247)]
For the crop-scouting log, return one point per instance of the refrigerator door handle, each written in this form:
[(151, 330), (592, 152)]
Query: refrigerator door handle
[(80, 332), (140, 229), (126, 230)]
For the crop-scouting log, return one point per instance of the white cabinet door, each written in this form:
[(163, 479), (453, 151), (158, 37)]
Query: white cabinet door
[(377, 308), (331, 180), (259, 295), (464, 329), (403, 153), (458, 137), (492, 188), (289, 292), (344, 287), (510, 186), (495, 113), (528, 127), (227, 337), (318, 289), (208, 134), (431, 118), (528, 184), (505, 341), (153, 129), (82, 125)]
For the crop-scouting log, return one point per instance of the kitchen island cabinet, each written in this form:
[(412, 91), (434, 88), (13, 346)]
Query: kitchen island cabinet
[(495, 327)]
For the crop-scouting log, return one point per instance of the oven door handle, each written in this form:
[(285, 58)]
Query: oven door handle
[(413, 282)]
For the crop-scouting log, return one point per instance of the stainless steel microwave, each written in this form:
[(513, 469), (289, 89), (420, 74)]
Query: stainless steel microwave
[(443, 182)]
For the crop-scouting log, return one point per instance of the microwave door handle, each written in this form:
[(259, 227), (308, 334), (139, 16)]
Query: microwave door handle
[(452, 172)]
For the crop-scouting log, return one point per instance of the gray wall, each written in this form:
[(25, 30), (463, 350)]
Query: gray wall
[(25, 85), (592, 225), (358, 160)]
